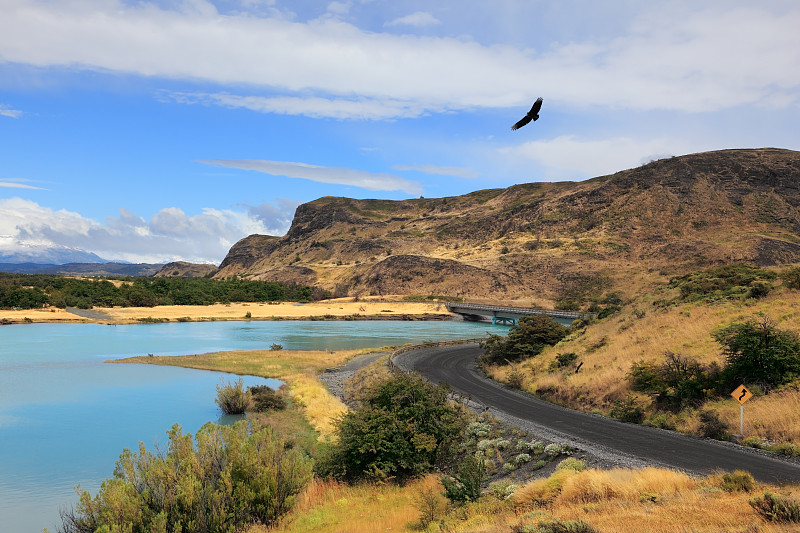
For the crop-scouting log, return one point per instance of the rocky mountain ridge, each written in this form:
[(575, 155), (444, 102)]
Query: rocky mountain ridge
[(544, 242)]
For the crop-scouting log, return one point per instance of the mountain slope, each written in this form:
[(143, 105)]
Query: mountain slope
[(545, 242)]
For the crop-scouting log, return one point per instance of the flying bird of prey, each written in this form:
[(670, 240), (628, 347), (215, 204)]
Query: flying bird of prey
[(533, 114)]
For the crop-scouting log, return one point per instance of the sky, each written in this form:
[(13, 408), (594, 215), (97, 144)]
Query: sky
[(162, 130)]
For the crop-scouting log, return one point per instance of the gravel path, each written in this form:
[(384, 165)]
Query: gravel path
[(334, 378)]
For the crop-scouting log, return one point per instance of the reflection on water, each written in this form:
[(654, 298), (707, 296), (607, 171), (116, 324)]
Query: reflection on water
[(65, 415)]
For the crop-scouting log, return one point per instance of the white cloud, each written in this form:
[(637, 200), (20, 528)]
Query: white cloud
[(340, 176), (6, 111), (569, 157), (17, 185), (169, 235), (317, 107), (672, 57), (458, 172), (418, 20)]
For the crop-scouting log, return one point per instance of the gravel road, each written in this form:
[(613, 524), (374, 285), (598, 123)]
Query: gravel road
[(606, 441)]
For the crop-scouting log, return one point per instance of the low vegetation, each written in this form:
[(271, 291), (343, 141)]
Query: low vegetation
[(402, 428), (227, 478), (31, 291), (671, 359)]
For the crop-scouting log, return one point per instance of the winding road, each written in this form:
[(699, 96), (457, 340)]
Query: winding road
[(456, 365)]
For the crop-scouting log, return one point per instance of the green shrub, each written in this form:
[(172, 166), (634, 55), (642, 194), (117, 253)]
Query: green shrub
[(465, 486), (738, 481), (571, 463), (791, 278), (276, 347), (403, 427), (776, 508), (232, 399), (724, 282), (760, 352), (266, 399), (234, 477), (526, 339), (676, 383), (627, 411)]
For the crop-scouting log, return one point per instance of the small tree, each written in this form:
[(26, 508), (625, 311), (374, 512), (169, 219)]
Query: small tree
[(527, 339), (404, 427), (759, 352)]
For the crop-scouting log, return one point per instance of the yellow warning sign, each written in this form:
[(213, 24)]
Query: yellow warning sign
[(741, 394)]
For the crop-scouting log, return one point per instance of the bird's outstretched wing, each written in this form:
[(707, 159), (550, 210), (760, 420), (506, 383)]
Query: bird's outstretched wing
[(537, 105), (533, 114), (527, 118)]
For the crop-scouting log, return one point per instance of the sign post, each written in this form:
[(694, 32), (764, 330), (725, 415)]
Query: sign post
[(741, 395)]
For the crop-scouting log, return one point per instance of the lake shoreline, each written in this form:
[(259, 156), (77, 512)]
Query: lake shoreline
[(336, 309)]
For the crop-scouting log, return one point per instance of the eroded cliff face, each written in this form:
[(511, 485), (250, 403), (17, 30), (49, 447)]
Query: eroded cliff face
[(540, 241)]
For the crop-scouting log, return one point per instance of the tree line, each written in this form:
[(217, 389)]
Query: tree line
[(31, 291)]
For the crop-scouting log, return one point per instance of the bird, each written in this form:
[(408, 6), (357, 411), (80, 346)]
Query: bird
[(533, 114)]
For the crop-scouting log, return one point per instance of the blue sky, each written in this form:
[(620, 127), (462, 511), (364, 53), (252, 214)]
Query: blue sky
[(157, 130)]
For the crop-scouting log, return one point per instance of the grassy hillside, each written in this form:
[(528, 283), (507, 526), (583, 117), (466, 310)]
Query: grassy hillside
[(545, 243), (647, 329)]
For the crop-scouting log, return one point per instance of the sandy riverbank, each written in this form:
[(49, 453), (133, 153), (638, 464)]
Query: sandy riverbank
[(237, 311)]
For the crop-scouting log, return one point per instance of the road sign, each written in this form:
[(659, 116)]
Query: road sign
[(741, 394)]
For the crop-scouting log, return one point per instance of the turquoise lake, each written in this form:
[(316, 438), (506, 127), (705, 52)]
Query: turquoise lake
[(65, 415)]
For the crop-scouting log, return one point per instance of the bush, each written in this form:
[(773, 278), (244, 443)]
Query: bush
[(759, 351), (571, 463), (431, 505), (403, 427), (738, 481), (465, 486), (232, 399), (527, 339), (627, 411), (776, 508), (675, 384), (515, 378), (565, 359), (266, 399), (233, 478)]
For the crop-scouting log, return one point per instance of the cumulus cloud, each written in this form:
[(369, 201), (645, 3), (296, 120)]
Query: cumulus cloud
[(458, 172), (673, 58), (418, 20), (6, 111), (340, 176), (168, 235)]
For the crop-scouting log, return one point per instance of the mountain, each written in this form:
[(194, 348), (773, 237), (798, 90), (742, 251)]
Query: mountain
[(545, 243), (49, 255), (182, 269)]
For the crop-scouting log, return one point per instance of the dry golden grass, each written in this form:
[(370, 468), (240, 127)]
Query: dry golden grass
[(50, 314), (297, 368), (641, 332), (633, 501), (618, 501), (265, 311), (331, 507)]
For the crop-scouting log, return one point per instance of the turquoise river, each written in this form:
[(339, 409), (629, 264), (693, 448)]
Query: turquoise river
[(65, 416)]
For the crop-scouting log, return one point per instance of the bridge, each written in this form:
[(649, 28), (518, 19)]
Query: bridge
[(507, 315)]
